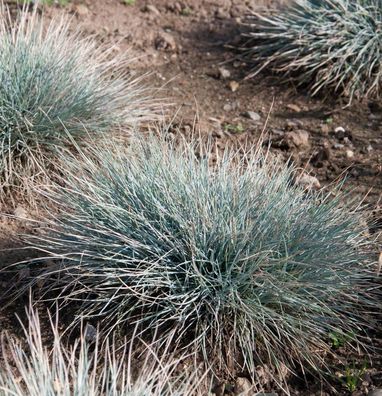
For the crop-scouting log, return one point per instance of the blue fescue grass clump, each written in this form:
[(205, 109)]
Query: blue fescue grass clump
[(84, 368), (232, 261), (328, 45), (54, 84)]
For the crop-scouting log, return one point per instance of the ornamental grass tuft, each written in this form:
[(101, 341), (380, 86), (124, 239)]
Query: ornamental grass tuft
[(44, 365), (56, 87), (232, 261), (327, 45)]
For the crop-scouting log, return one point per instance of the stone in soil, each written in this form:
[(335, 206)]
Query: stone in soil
[(224, 73), (20, 212), (293, 107), (81, 10), (349, 154), (252, 115), (308, 182), (233, 86), (151, 8), (298, 139), (243, 387), (339, 130), (165, 41)]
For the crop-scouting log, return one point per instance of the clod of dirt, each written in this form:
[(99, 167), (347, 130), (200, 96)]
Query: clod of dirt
[(308, 182), (299, 139), (224, 73), (81, 10), (165, 41), (222, 13), (293, 107), (243, 387), (20, 212), (179, 8), (151, 8), (323, 154)]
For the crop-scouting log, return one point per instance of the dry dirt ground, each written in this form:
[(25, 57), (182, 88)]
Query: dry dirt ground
[(184, 46)]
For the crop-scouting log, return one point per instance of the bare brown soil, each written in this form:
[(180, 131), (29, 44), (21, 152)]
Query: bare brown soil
[(183, 46)]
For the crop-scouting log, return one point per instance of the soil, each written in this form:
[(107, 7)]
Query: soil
[(184, 46)]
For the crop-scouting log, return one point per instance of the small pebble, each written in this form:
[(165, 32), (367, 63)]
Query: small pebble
[(308, 182), (252, 115), (243, 387), (339, 130), (294, 107), (81, 10), (20, 212), (165, 41), (298, 138), (233, 86), (349, 154), (151, 8), (224, 73)]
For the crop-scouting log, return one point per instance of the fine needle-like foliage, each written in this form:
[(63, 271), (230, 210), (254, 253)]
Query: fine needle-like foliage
[(37, 367), (328, 45), (233, 261), (54, 84)]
